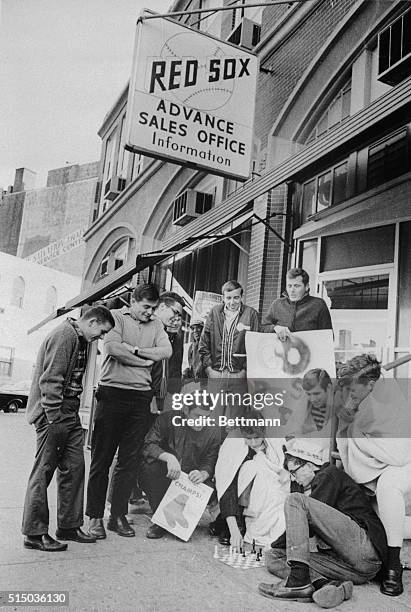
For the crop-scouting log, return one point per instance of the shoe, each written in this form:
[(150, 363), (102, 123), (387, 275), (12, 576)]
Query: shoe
[(280, 591), (44, 542), (121, 526), (224, 539), (391, 583), (154, 532), (96, 529), (333, 593), (75, 534)]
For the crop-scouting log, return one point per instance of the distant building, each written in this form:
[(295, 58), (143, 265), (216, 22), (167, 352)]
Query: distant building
[(46, 224), (28, 294)]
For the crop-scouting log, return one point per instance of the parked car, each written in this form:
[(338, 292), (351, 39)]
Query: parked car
[(14, 396)]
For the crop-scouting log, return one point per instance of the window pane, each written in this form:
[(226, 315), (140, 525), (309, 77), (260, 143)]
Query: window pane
[(363, 248), (346, 103), (308, 259), (396, 41), (388, 160), (324, 191), (322, 126), (307, 207), (334, 112), (340, 183), (362, 293)]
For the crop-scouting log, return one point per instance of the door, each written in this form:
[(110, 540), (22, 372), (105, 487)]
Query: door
[(362, 306)]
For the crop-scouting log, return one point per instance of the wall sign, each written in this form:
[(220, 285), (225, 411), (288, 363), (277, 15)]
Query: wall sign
[(191, 99)]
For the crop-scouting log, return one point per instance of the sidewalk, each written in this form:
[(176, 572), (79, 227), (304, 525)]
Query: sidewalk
[(133, 574)]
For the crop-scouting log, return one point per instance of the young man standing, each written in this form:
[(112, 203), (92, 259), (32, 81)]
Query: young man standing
[(297, 310), (222, 343), (52, 408), (123, 407), (331, 506)]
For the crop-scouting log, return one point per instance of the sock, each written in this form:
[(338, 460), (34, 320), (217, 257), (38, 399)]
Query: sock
[(393, 560), (299, 574)]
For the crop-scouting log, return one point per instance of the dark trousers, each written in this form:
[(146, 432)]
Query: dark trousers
[(154, 482), (123, 418), (59, 446)]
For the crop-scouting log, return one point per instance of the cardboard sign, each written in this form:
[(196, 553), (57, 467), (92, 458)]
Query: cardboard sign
[(182, 507), (203, 302), (268, 357), (278, 368), (191, 98)]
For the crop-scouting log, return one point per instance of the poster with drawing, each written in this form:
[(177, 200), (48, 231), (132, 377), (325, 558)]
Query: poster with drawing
[(182, 507), (278, 367), (203, 302)]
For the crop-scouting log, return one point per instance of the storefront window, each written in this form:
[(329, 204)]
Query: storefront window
[(359, 313), (354, 249), (361, 293)]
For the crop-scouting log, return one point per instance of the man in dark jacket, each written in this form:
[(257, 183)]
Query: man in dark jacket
[(331, 506), (166, 375), (222, 343), (173, 446), (297, 310), (52, 407)]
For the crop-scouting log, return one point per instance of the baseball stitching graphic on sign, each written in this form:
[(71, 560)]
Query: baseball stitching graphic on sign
[(203, 95)]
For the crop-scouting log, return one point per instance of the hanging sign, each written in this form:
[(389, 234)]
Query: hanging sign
[(191, 99)]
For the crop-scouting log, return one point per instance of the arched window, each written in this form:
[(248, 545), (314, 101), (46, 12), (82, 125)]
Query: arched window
[(339, 109), (19, 287), (51, 300), (114, 258)]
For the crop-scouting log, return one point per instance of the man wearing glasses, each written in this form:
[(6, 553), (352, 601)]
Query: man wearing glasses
[(352, 544), (166, 374)]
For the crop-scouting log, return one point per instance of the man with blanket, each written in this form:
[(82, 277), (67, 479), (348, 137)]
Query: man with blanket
[(374, 443), (251, 487)]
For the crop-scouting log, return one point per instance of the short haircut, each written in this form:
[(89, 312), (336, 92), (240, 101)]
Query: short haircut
[(315, 377), (360, 369), (170, 296), (231, 285), (295, 272), (253, 431), (147, 292), (100, 313)]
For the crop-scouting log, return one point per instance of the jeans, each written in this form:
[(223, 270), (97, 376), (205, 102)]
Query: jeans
[(59, 446), (352, 556), (122, 421)]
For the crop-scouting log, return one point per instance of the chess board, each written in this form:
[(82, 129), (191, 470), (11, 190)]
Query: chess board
[(237, 560)]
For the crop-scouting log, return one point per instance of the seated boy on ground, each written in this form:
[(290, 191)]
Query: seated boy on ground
[(170, 448), (353, 544)]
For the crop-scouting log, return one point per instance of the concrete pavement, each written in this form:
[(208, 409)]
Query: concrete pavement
[(133, 574)]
